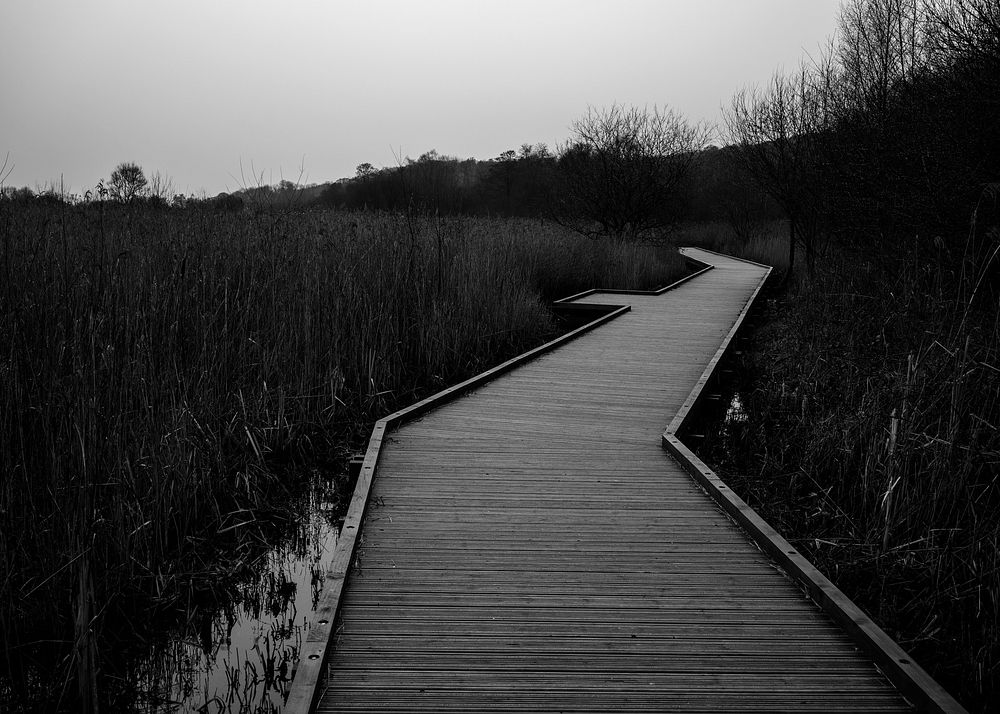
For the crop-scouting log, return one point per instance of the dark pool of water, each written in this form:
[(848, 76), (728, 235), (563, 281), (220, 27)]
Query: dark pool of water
[(238, 654)]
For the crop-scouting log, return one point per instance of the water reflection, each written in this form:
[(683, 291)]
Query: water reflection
[(735, 412), (238, 655)]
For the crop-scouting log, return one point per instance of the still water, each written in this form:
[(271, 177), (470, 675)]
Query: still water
[(238, 655)]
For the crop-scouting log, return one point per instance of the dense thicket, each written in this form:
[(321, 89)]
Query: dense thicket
[(890, 140), (516, 183), (872, 432), (625, 172)]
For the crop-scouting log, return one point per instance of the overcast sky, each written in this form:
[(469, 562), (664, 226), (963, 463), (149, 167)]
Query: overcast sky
[(192, 88)]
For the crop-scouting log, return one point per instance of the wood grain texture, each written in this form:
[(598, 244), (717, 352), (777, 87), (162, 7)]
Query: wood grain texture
[(530, 546)]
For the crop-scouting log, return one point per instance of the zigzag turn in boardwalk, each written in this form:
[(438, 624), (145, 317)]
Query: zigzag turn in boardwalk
[(530, 546)]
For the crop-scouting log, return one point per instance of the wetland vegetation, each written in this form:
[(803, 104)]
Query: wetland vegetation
[(172, 376), (177, 375)]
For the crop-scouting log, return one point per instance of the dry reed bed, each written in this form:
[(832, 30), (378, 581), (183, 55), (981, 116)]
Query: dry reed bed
[(871, 439), (160, 368)]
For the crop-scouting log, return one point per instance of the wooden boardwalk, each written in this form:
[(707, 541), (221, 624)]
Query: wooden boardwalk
[(531, 546)]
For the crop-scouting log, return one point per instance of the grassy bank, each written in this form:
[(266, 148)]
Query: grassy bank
[(164, 372), (870, 437)]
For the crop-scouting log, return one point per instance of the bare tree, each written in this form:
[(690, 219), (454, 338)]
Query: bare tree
[(774, 129), (964, 28), (5, 170), (882, 47), (898, 137), (128, 183), (161, 188), (622, 170)]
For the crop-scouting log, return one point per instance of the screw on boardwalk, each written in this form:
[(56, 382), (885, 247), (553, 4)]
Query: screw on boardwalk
[(530, 546)]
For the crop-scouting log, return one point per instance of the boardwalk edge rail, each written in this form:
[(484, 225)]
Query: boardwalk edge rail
[(908, 677), (308, 679)]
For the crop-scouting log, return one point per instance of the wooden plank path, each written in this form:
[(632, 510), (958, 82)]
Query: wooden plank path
[(531, 546)]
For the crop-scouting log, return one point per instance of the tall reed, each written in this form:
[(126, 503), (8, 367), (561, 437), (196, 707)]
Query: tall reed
[(872, 440), (160, 368)]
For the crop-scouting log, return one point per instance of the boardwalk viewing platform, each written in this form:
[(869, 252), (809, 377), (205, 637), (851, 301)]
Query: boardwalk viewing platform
[(531, 545)]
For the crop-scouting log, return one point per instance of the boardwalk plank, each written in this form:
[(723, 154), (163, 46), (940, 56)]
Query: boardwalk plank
[(531, 547)]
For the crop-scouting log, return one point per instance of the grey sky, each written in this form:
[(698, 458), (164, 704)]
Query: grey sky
[(191, 88)]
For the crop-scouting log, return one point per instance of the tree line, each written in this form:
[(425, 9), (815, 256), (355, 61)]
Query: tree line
[(626, 172), (889, 138), (888, 135)]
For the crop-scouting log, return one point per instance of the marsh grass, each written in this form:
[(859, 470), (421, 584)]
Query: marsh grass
[(164, 374), (870, 437)]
